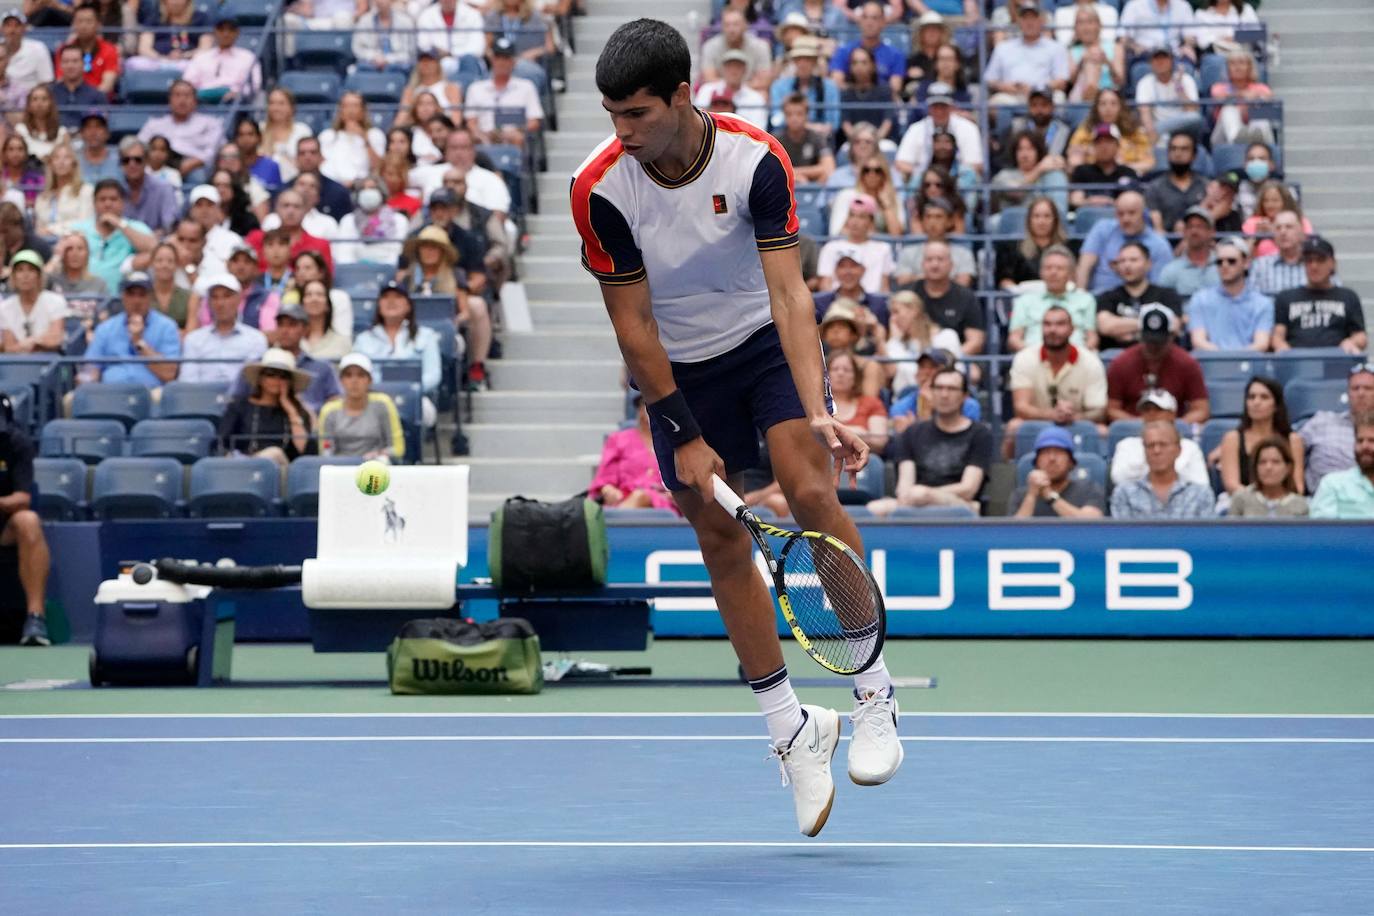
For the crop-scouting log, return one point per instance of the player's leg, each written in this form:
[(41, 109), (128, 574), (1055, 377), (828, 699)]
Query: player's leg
[(24, 529)]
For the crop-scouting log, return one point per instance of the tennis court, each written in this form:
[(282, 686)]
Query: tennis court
[(334, 797)]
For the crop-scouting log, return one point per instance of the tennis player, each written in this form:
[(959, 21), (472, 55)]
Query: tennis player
[(689, 222)]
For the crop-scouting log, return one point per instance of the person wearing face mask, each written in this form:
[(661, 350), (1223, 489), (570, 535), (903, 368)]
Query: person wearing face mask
[(373, 233), (1259, 167), (1174, 193)]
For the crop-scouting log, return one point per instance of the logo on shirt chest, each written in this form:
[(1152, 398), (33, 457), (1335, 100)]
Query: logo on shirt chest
[(719, 205)]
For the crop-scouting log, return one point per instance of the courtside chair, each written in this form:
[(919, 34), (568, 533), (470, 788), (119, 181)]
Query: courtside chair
[(234, 488)]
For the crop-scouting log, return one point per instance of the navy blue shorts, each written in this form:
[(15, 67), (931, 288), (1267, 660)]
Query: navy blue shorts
[(735, 397)]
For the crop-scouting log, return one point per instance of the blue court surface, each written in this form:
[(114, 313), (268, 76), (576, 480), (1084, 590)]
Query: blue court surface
[(680, 813)]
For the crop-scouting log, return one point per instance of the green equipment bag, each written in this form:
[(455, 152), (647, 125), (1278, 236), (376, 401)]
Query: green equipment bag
[(442, 656), (536, 545)]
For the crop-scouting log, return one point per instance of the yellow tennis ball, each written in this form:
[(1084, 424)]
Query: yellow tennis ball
[(373, 478)]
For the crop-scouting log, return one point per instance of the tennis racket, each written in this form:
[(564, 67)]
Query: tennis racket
[(826, 593)]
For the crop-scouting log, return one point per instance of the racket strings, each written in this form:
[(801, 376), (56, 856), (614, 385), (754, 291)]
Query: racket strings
[(833, 601)]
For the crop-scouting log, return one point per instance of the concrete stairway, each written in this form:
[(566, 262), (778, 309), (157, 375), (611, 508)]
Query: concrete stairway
[(556, 391), (1324, 78)]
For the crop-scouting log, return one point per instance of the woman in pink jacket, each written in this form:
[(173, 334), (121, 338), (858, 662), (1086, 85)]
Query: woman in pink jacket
[(628, 476)]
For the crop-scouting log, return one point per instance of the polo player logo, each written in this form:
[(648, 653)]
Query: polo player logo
[(395, 523)]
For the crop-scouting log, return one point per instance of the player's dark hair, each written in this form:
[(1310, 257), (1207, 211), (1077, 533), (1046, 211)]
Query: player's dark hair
[(963, 379), (643, 54)]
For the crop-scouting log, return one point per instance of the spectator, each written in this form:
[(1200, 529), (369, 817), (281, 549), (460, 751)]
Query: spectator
[(1104, 241), (872, 307), (248, 144), (16, 237), (384, 39), (271, 422), (281, 132), (1259, 168), (1150, 24), (20, 526), (916, 149), (1273, 490), (627, 477), (930, 35), (168, 293), (433, 261), (527, 32), (480, 236), (160, 159), (240, 217), (1329, 436), (1162, 494), (321, 340), (1242, 85), (99, 58), (938, 181), (1067, 15), (1233, 315), (30, 316), (1018, 262), (181, 30), (69, 273), (243, 267), (29, 63), (862, 146), (397, 334), (1349, 493), (428, 93), (1167, 99), (136, 331), (948, 71), (866, 99), (911, 332), (93, 147), (1034, 170), (1129, 459), (808, 149), (734, 36), (315, 222), (395, 176), (114, 238), (1056, 381), (951, 305), (352, 147), (223, 71), (193, 136), (1272, 200), (842, 331), (1156, 363), (1283, 268), (308, 266), (820, 98), (1196, 266), (486, 188), (1103, 169), (504, 90), (290, 211), (916, 404), (374, 232), (876, 256), (18, 177), (1265, 416), (1319, 314), (748, 103), (937, 217), (1020, 64), (1118, 310), (942, 461), (862, 413), (1049, 491), (66, 199), (1039, 118), (334, 199), (193, 261), (363, 423), (40, 126), (1098, 62), (205, 208), (291, 323), (1028, 310), (1135, 151), (1174, 193), (890, 62), (225, 337), (1217, 22)]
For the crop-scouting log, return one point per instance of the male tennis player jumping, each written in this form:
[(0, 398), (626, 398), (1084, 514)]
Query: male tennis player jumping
[(689, 222)]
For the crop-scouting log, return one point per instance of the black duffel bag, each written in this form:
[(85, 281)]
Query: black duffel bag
[(536, 545)]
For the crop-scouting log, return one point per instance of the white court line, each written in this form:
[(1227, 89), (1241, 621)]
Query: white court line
[(686, 844), (666, 715), (955, 739)]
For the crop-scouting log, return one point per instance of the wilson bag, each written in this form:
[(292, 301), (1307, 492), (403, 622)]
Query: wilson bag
[(443, 656), (533, 545)]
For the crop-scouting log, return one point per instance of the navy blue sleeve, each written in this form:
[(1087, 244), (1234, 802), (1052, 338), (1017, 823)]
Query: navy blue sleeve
[(609, 251), (771, 201)]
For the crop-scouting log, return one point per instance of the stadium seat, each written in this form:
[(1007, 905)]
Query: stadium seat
[(1090, 467), (1227, 397), (1084, 433), (870, 484), (1211, 72), (813, 223), (147, 87), (89, 440), (1213, 431), (1316, 362), (408, 405), (184, 440), (1086, 217), (126, 402), (303, 482), (61, 489), (192, 400), (311, 87), (1224, 365), (323, 51), (136, 488), (377, 88), (126, 120), (930, 512), (234, 488), (21, 402), (250, 14), (1011, 221), (433, 309), (367, 278), (640, 515), (1227, 157), (364, 312), (1306, 396)]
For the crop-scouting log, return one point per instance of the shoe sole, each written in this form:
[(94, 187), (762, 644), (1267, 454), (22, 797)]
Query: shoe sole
[(901, 755), (830, 803), (33, 641)]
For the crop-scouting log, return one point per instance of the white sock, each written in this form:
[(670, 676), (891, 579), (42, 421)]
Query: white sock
[(876, 679), (779, 704)]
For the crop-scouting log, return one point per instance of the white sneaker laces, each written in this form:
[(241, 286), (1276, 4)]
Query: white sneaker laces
[(780, 754), (874, 713)]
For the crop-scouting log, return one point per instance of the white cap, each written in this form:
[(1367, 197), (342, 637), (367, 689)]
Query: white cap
[(357, 359), (204, 192), (228, 281)]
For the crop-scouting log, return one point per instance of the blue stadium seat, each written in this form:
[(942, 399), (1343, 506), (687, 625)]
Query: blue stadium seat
[(136, 488), (126, 119), (366, 278), (192, 400), (505, 158), (1213, 431), (640, 515), (147, 87), (870, 484), (61, 489), (1090, 467), (312, 87), (89, 440), (1227, 397), (126, 402), (1211, 71), (1084, 218), (379, 88), (1011, 221), (303, 482), (1084, 433), (1228, 156), (250, 15), (408, 404), (234, 488), (21, 402), (1224, 365), (323, 51), (1306, 396), (184, 440), (813, 223), (1316, 362), (364, 312), (930, 512), (433, 309)]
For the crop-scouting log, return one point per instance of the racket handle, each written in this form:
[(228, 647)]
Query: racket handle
[(727, 497)]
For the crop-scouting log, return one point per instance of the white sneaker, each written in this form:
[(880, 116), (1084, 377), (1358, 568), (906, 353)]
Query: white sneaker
[(805, 764), (875, 749)]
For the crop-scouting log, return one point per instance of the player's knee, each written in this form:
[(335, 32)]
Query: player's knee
[(815, 495), (723, 546), (27, 527)]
